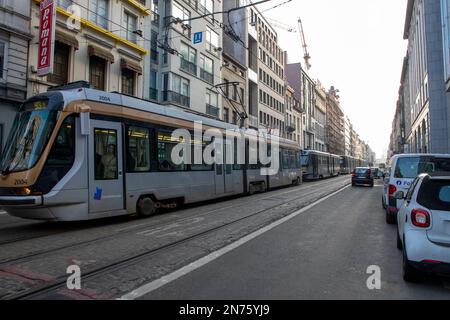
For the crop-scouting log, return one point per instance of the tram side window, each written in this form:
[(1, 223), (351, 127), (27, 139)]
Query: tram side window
[(203, 166), (165, 146), (286, 158), (138, 151), (105, 146)]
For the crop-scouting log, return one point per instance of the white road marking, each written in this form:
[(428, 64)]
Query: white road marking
[(2, 212), (156, 284)]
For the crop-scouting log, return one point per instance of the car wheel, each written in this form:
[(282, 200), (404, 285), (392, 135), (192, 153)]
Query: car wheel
[(410, 274), (146, 207), (390, 219), (399, 241)]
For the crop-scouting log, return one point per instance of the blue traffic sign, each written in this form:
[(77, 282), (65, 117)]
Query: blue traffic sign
[(198, 37)]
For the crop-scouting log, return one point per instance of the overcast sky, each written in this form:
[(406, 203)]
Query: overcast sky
[(357, 46)]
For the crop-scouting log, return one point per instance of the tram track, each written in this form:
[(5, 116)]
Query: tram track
[(257, 197), (60, 281)]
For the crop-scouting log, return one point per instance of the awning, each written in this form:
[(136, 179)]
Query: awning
[(130, 65), (95, 50), (67, 38)]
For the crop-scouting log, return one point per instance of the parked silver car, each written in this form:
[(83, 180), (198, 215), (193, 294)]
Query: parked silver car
[(424, 226)]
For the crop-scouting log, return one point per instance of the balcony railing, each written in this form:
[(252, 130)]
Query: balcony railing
[(188, 66), (177, 98), (212, 111), (205, 75)]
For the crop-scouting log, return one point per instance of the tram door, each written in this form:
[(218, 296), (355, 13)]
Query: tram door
[(219, 169), (228, 167), (315, 159), (105, 167), (224, 172)]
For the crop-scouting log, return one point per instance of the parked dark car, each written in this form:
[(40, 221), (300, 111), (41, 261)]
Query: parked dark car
[(362, 176)]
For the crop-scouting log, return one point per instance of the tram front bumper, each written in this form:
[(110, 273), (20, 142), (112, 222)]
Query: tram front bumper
[(26, 207), (31, 201)]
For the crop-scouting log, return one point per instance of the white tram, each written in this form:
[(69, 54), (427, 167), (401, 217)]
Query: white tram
[(79, 154)]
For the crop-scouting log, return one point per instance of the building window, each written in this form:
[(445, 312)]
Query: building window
[(128, 81), (98, 12), (234, 92), (154, 47), (153, 85), (60, 73), (188, 59), (227, 87), (226, 115), (138, 156), (206, 6), (212, 39), (179, 92), (3, 62), (130, 23), (97, 72), (211, 104), (207, 69), (179, 12)]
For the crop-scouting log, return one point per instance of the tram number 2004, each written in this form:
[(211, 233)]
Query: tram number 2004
[(19, 182)]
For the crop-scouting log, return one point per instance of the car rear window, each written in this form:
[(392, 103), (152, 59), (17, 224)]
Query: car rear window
[(360, 170), (435, 195), (411, 167)]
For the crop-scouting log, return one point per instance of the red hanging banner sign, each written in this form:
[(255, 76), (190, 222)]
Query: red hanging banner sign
[(46, 37)]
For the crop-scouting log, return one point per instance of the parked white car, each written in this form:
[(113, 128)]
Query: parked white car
[(424, 226), (404, 169)]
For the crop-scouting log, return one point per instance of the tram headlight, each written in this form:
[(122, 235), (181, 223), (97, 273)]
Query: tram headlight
[(23, 191)]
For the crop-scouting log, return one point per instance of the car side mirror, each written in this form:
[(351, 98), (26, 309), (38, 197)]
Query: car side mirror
[(399, 195)]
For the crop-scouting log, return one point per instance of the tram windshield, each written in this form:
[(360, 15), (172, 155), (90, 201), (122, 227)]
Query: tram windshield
[(29, 135), (304, 160)]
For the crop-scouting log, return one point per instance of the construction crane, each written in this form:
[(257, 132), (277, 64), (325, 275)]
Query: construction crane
[(306, 56), (281, 25)]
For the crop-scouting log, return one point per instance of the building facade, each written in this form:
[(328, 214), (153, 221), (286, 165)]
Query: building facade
[(305, 92), (335, 124), (426, 84), (294, 117), (234, 89), (14, 41), (271, 61), (107, 48), (320, 117), (189, 72)]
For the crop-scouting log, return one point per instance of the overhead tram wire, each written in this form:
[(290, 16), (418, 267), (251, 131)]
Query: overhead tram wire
[(237, 21)]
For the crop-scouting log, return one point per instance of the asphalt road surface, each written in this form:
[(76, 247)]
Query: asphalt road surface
[(323, 253)]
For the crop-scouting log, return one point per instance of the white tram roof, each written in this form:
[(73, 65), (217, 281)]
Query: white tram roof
[(148, 106)]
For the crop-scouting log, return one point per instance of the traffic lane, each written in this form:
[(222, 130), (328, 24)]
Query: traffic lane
[(321, 254)]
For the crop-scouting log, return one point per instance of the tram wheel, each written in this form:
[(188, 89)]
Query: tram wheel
[(146, 207)]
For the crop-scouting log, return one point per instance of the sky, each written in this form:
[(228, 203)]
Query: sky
[(356, 46)]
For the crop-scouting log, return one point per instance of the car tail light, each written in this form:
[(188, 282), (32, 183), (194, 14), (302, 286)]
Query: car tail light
[(420, 218), (432, 261), (392, 190), (353, 173)]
